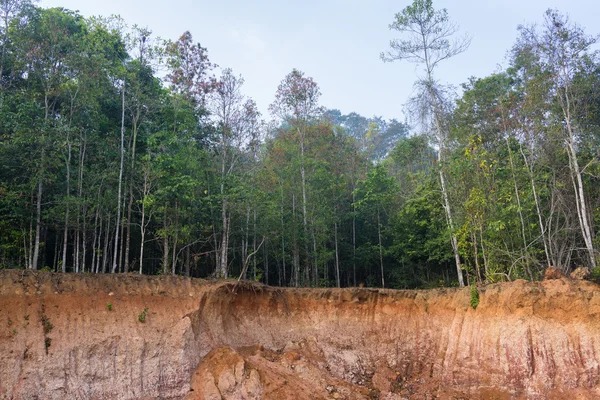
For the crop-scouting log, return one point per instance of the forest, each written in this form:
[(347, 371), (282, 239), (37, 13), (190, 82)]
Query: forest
[(121, 152)]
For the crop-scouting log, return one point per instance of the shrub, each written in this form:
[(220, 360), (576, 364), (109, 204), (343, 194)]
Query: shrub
[(474, 296), (46, 324), (142, 316)]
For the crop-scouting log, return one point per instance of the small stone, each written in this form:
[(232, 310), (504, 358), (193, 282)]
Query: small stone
[(111, 294), (580, 273)]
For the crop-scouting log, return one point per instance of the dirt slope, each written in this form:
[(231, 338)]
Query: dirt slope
[(201, 340)]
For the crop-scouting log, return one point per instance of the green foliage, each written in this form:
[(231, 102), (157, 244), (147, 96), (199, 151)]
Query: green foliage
[(474, 296), (109, 306), (595, 274), (47, 343), (338, 199), (46, 324), (142, 316)]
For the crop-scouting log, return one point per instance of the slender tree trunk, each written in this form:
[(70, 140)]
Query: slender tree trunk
[(266, 258), (106, 242), (165, 245), (380, 247), (55, 259), (224, 239), (174, 252), (223, 267), (30, 260), (128, 226), (100, 256), (77, 250), (254, 241), (143, 233), (122, 241), (584, 223), (304, 213), (543, 228), (353, 237), (83, 240), (246, 242), (581, 204), (187, 261), (437, 116), (94, 238), (68, 181), (143, 241), (118, 221), (295, 251), (282, 235), (337, 256)]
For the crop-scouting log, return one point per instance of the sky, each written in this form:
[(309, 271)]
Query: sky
[(336, 42)]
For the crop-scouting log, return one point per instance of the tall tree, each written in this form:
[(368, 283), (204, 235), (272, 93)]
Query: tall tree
[(297, 103), (562, 51), (429, 33), (237, 121)]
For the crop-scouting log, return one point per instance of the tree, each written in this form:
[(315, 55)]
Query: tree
[(429, 33), (297, 103), (374, 197), (237, 120), (562, 52)]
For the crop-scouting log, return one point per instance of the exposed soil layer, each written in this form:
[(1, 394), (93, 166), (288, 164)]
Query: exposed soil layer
[(139, 337)]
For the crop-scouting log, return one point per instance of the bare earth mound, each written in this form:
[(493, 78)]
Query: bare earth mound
[(139, 337)]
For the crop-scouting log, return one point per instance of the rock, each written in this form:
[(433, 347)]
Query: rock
[(553, 273), (580, 273)]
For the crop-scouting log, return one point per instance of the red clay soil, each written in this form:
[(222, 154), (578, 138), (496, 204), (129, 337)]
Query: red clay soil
[(82, 337)]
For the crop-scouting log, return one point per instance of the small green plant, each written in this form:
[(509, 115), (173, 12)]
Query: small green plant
[(46, 324), (474, 296), (47, 343), (9, 322), (109, 306), (142, 316)]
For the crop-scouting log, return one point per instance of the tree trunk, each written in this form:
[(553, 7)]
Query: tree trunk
[(564, 96), (38, 222), (224, 240), (581, 204), (543, 229), (187, 261), (282, 276), (94, 238), (295, 251), (165, 245), (304, 214), (106, 240), (380, 248), (337, 257), (68, 181), (118, 221), (174, 252), (353, 237)]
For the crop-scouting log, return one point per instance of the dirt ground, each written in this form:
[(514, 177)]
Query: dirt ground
[(143, 337)]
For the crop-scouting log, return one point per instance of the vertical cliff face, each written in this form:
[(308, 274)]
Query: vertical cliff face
[(80, 337), (523, 340)]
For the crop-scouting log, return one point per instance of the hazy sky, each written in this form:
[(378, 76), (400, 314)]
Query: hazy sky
[(337, 42)]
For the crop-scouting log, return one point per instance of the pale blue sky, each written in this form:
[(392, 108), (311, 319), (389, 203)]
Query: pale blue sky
[(337, 42)]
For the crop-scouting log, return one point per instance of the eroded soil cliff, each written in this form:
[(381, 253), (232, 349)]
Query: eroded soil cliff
[(82, 337)]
